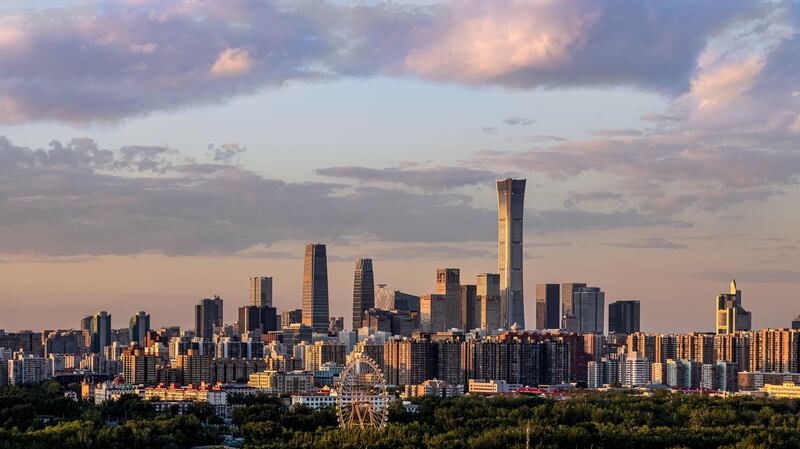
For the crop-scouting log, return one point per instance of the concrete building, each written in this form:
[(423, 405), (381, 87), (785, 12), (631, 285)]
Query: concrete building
[(589, 308), (282, 382), (470, 310), (548, 306), (363, 291), (101, 331), (261, 291), (138, 367), (27, 368), (138, 327), (488, 297), (510, 213), (208, 314), (623, 317), (637, 370), (731, 317), (315, 288), (491, 387), (433, 312), (567, 294), (448, 282)]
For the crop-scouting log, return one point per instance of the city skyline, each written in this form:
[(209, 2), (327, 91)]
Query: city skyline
[(147, 142)]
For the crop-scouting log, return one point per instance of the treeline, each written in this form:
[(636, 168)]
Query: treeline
[(40, 417)]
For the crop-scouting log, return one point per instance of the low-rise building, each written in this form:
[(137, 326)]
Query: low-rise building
[(282, 382), (787, 390), (433, 387), (491, 386)]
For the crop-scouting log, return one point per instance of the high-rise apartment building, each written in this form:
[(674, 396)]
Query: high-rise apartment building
[(470, 312), (623, 317), (448, 285), (207, 315), (510, 212), (488, 297), (433, 310), (101, 331), (548, 315), (730, 315), (261, 291), (588, 305), (138, 367), (363, 290), (315, 288), (138, 327)]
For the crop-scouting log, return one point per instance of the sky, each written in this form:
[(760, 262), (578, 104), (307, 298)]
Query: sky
[(155, 152)]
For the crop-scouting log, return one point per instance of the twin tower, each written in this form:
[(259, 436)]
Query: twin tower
[(510, 213)]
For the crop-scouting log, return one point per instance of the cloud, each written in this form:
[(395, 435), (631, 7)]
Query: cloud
[(91, 63), (232, 62), (428, 178), (518, 121), (78, 199), (490, 130), (652, 243)]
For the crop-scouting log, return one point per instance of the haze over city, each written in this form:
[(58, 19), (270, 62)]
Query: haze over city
[(153, 153)]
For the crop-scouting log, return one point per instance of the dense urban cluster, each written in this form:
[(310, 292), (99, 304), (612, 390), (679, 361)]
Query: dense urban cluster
[(461, 339)]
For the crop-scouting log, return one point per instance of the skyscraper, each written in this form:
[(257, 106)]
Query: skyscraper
[(510, 211), (433, 310), (101, 331), (488, 296), (207, 315), (547, 306), (796, 323), (731, 317), (363, 290), (448, 284), (470, 313), (261, 291), (588, 305), (315, 288), (566, 297), (623, 317), (138, 327)]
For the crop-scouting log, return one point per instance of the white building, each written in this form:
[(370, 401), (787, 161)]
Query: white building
[(282, 382), (637, 370), (23, 369)]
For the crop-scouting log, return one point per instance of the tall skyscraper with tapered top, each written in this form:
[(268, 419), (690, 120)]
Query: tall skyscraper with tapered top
[(315, 288), (363, 290), (261, 291), (510, 211)]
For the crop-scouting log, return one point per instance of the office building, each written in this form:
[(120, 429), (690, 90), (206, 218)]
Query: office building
[(315, 288), (448, 285), (363, 290), (101, 331), (548, 305), (470, 312), (488, 297), (294, 316), (567, 294), (623, 317), (208, 315), (731, 317), (433, 310), (261, 291), (257, 319), (796, 323), (588, 304), (138, 327), (510, 212), (388, 299)]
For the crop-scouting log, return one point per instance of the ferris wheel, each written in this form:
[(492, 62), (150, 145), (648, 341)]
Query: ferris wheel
[(361, 397)]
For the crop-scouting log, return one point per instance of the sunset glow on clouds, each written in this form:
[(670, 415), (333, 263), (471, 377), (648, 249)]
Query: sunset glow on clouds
[(93, 96)]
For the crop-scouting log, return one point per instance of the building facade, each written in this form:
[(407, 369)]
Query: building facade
[(548, 306), (363, 290), (510, 212), (315, 288)]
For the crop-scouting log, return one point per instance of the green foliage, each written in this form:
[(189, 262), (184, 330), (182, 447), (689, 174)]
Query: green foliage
[(40, 417)]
